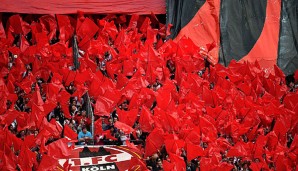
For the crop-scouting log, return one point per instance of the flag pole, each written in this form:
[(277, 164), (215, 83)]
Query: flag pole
[(75, 51), (91, 114)]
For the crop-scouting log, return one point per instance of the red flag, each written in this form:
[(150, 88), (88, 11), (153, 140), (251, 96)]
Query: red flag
[(128, 117), (2, 31), (145, 25), (98, 127), (296, 76), (291, 102), (59, 149), (128, 67), (26, 158), (125, 128), (87, 29), (133, 21), (69, 133), (13, 141), (7, 160), (52, 91), (193, 151), (278, 72), (122, 81), (85, 32), (207, 96), (137, 164), (69, 76), (153, 142), (17, 25), (47, 163), (174, 146), (238, 150), (167, 165), (132, 146), (36, 98), (109, 136), (146, 121), (51, 128), (193, 136), (63, 99), (59, 127), (103, 106), (110, 28), (208, 163), (208, 129), (49, 25), (9, 117), (225, 166), (90, 63), (29, 141), (178, 162), (66, 29), (66, 165), (163, 98)]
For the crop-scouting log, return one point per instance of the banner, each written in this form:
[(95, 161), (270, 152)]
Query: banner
[(96, 158), (246, 30), (94, 7)]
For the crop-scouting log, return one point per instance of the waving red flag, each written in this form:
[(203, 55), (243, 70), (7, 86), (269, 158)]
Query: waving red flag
[(36, 98), (63, 99), (167, 165), (194, 151), (52, 91), (109, 28), (47, 163), (128, 117), (26, 158), (291, 101), (87, 29), (65, 27), (296, 76), (85, 32), (9, 117), (17, 25), (98, 127), (163, 98), (49, 25), (153, 142), (51, 128), (122, 81), (193, 136), (146, 121), (125, 128), (13, 141), (2, 31), (29, 141), (238, 150), (208, 163), (137, 164), (108, 135), (69, 133), (178, 162), (132, 146), (225, 166), (174, 146), (59, 149), (7, 162), (103, 106)]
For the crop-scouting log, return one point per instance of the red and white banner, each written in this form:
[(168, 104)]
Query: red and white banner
[(97, 158)]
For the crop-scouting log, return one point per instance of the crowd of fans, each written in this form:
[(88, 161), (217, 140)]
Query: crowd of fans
[(79, 110)]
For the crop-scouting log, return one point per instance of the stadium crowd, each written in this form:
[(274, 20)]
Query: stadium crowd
[(178, 111)]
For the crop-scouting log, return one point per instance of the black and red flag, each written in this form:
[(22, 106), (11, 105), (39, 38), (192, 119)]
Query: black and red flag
[(249, 30)]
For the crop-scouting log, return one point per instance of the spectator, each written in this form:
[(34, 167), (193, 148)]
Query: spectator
[(84, 136)]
